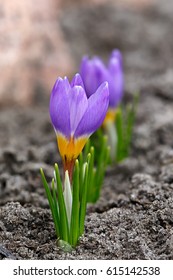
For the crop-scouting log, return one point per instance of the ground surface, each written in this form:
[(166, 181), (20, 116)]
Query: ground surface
[(134, 217)]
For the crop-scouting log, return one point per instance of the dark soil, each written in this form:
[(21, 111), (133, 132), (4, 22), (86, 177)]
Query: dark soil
[(134, 217)]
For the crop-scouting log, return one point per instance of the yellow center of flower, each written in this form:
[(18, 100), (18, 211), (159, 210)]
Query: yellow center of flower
[(70, 148), (110, 117)]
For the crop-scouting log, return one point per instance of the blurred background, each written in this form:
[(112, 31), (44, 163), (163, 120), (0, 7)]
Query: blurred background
[(41, 40)]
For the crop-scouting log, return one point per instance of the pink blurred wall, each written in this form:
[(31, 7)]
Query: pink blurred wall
[(33, 51)]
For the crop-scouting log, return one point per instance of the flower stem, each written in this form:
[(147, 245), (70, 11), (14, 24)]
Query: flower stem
[(68, 165)]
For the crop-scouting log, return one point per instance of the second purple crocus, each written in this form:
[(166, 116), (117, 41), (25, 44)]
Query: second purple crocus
[(94, 72)]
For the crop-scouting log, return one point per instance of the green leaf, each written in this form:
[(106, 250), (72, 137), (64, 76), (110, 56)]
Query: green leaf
[(91, 174), (83, 201), (52, 205), (74, 227), (125, 119), (56, 208), (64, 228), (120, 135)]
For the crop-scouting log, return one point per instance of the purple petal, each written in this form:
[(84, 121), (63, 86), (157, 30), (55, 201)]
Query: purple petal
[(78, 104), (93, 73), (95, 113), (114, 66), (62, 84), (100, 71), (83, 66), (117, 54), (77, 81), (59, 107), (116, 82), (86, 71)]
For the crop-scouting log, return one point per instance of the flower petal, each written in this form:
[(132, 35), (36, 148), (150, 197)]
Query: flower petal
[(117, 54), (100, 72), (116, 82), (83, 66), (86, 70), (59, 107), (93, 73), (77, 81), (78, 104), (95, 113)]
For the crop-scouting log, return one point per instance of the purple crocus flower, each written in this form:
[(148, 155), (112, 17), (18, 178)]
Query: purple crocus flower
[(75, 116), (94, 72)]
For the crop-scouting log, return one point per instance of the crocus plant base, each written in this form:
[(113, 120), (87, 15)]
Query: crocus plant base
[(68, 227)]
